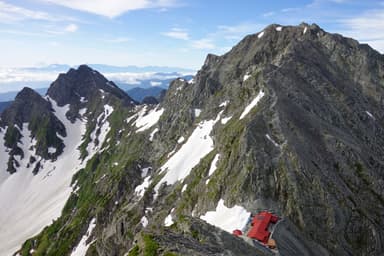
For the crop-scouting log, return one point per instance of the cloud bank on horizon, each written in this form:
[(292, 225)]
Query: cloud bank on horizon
[(163, 32)]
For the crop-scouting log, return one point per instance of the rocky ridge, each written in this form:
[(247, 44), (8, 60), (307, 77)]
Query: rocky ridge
[(289, 120)]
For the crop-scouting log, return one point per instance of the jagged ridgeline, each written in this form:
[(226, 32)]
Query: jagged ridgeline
[(290, 120)]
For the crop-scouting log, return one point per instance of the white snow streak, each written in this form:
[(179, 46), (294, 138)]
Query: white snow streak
[(213, 167), (271, 140), (153, 134), (305, 30), (370, 115), (226, 218), (252, 104), (32, 202), (82, 247), (224, 104), (279, 28), (260, 35)]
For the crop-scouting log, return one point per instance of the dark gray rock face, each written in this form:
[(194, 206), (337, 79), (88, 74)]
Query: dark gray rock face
[(84, 87), (312, 149), (70, 87), (29, 107)]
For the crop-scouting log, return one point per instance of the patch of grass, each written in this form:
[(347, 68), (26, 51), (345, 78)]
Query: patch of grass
[(150, 246)]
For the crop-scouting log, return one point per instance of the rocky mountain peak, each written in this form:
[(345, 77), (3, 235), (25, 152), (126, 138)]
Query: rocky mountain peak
[(85, 87), (82, 84), (27, 104)]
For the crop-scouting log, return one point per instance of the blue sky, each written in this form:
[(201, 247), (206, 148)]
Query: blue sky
[(163, 32)]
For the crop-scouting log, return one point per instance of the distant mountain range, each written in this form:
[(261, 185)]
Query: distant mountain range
[(13, 80)]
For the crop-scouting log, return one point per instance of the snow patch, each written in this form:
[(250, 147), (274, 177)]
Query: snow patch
[(260, 35), (246, 77), (146, 120), (140, 189), (33, 201), (168, 220), (225, 120), (145, 171), (181, 140), (192, 81), (197, 112), (213, 167), (305, 30), (184, 188), (279, 28), (226, 218), (82, 247), (52, 150), (144, 221), (252, 104)]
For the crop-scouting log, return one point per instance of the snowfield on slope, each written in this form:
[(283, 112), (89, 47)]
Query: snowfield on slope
[(198, 145), (226, 218), (146, 120), (34, 201)]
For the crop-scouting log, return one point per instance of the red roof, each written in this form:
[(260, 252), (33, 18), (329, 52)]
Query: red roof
[(260, 224)]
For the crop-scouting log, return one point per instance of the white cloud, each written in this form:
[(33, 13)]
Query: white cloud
[(177, 33), (71, 28), (155, 83), (12, 13), (112, 8), (204, 44), (366, 28)]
